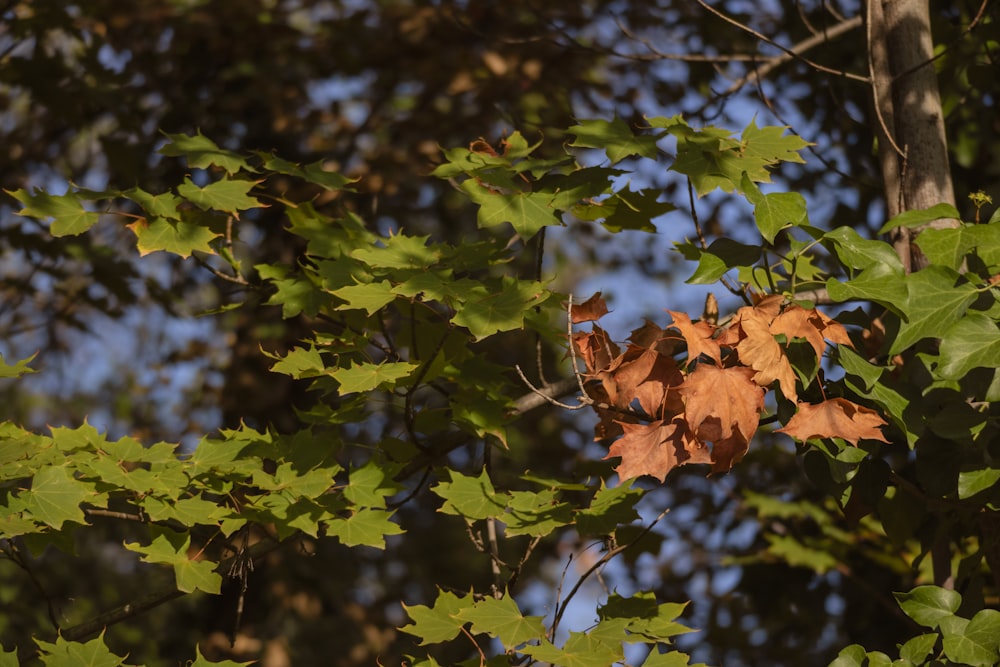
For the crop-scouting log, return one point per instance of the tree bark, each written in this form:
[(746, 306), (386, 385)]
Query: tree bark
[(914, 155)]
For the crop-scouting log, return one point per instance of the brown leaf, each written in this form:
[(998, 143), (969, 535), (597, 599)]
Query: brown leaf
[(590, 310), (760, 351), (835, 418), (657, 394), (595, 348), (719, 400), (698, 336), (814, 326), (655, 449), (608, 426), (727, 452)]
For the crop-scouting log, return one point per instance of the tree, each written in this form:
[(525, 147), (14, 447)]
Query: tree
[(406, 343)]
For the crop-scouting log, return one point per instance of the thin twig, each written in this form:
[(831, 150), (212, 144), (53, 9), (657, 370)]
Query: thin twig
[(601, 562), (767, 40)]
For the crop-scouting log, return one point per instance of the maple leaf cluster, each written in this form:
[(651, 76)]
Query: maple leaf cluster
[(693, 392)]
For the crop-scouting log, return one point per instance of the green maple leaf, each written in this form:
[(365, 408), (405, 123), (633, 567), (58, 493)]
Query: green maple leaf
[(66, 212), (485, 313), (163, 205), (615, 136), (503, 619), (527, 212), (369, 485), (18, 369), (296, 293), (226, 195), (370, 297), (400, 252), (535, 513), (635, 210), (611, 507), (580, 650), (94, 653), (367, 376), (301, 363), (366, 526), (770, 144), (55, 496), (312, 173), (470, 497), (202, 153), (173, 236), (171, 548), (438, 623)]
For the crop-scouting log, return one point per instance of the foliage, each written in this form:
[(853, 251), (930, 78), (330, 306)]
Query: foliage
[(398, 325)]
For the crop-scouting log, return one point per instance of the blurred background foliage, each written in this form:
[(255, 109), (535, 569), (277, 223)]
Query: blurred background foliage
[(376, 89)]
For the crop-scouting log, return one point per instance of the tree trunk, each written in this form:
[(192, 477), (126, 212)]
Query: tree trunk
[(914, 156)]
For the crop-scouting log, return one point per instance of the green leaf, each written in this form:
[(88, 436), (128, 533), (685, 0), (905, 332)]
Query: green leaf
[(503, 619), (312, 173), (370, 297), (971, 342), (776, 211), (527, 212), (202, 153), (400, 252), (720, 256), (163, 205), (635, 210), (368, 376), (850, 656), (944, 247), (301, 363), (770, 144), (439, 623), (369, 485), (920, 217), (18, 369), (201, 661), (173, 236), (934, 303), (66, 212), (881, 283), (668, 659), (62, 653), (860, 253), (470, 497), (226, 195), (979, 644), (365, 527), (580, 650), (55, 496), (615, 137), (485, 313), (296, 293), (535, 513), (927, 605), (171, 548), (917, 649), (611, 507)]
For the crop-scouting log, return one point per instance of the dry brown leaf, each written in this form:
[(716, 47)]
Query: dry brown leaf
[(590, 310), (727, 452), (698, 336), (719, 400), (760, 351), (655, 449), (595, 348), (835, 418), (814, 326)]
